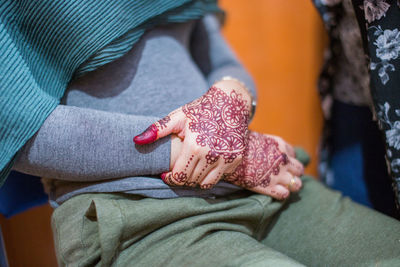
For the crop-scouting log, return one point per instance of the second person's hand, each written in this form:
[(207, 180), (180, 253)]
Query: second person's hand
[(269, 167)]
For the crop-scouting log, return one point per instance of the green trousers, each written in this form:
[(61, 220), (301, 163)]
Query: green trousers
[(317, 227)]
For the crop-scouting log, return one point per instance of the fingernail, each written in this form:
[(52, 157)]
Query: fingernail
[(163, 175), (147, 137)]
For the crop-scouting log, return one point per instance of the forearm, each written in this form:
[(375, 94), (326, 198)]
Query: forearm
[(80, 144)]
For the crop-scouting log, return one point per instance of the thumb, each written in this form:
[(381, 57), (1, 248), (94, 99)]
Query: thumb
[(172, 123)]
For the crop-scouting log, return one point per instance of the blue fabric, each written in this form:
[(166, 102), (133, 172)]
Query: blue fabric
[(357, 164), (348, 173), (19, 193)]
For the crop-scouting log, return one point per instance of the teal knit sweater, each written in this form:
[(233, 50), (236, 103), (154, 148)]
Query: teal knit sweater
[(43, 44)]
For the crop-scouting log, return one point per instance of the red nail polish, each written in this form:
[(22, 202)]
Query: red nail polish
[(147, 137), (163, 175)]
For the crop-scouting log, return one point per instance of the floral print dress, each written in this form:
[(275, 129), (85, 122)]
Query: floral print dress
[(379, 87)]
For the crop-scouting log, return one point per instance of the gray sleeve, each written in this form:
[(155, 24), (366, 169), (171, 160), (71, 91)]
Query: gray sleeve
[(79, 144), (214, 56)]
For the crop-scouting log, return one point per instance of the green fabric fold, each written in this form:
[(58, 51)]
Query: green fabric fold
[(302, 155), (44, 44)]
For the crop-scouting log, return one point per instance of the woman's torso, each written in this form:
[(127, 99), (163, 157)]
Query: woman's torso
[(157, 76)]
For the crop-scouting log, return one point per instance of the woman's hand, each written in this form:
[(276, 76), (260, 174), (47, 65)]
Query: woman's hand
[(214, 129), (269, 167)]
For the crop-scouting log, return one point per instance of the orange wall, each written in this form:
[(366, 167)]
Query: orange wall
[(28, 238), (279, 41), (280, 44)]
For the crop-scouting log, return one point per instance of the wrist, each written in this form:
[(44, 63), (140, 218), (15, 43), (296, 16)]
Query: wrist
[(229, 84), (233, 85)]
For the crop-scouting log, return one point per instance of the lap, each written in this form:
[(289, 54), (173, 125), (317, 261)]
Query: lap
[(316, 227), (319, 223), (204, 247), (108, 229)]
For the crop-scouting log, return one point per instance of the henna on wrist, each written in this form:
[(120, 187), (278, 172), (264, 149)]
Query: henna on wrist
[(245, 90)]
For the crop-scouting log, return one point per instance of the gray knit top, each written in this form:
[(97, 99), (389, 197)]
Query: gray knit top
[(86, 145)]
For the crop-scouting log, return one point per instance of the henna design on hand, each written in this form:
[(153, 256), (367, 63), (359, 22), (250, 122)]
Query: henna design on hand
[(163, 122), (262, 159), (179, 177), (220, 120), (189, 183)]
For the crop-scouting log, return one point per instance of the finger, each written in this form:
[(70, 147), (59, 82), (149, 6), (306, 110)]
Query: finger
[(290, 150), (173, 123), (175, 178), (278, 192), (163, 175), (297, 184), (292, 183), (275, 191), (189, 169), (182, 170), (295, 167), (232, 167), (192, 179), (212, 178), (201, 171), (283, 145)]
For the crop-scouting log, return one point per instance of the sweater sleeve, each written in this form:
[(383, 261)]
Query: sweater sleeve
[(214, 56), (79, 144)]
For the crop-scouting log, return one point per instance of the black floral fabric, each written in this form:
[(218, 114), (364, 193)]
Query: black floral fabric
[(379, 22), (379, 26)]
